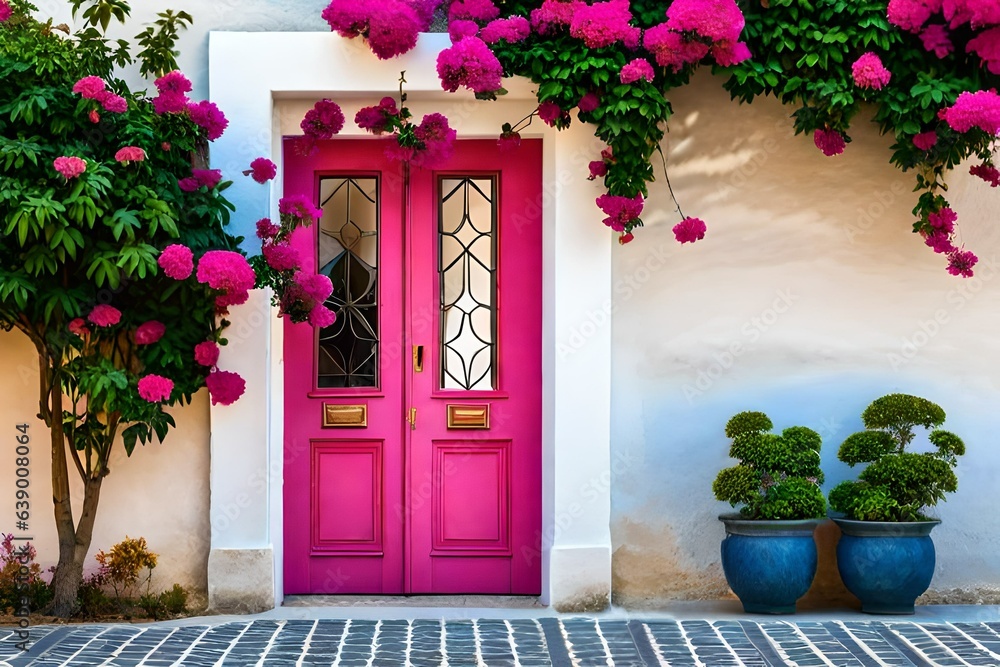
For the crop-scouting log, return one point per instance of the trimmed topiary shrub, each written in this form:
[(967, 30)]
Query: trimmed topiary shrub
[(897, 484), (778, 476)]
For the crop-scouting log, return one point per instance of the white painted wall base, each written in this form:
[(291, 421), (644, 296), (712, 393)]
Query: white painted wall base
[(241, 581), (580, 578)]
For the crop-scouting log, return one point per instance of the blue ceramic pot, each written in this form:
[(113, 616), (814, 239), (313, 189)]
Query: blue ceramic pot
[(769, 564), (887, 565)]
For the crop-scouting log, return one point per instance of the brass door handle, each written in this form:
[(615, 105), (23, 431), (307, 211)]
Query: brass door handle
[(418, 358)]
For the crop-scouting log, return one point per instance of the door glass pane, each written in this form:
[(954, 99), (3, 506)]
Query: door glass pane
[(467, 266), (348, 254)]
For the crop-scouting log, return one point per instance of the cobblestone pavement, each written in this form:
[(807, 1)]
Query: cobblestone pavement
[(555, 642)]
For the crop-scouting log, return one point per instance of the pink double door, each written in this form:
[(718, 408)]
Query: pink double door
[(413, 424)]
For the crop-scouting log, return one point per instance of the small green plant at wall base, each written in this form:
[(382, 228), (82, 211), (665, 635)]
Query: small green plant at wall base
[(897, 485), (123, 566), (778, 476)]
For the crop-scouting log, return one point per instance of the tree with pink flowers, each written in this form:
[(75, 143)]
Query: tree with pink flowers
[(115, 261)]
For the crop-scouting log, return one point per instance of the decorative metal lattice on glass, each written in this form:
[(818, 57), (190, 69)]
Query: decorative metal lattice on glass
[(467, 266), (348, 254)]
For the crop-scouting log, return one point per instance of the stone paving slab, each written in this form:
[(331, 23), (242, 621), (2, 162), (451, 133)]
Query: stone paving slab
[(521, 642)]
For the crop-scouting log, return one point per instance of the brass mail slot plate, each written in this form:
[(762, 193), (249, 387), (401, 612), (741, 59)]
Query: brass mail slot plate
[(335, 416), (469, 416)]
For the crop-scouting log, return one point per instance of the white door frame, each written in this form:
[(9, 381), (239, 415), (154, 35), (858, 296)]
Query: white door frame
[(263, 81)]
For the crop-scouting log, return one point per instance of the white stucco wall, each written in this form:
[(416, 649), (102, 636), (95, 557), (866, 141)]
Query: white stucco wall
[(159, 493), (809, 279), (808, 298)]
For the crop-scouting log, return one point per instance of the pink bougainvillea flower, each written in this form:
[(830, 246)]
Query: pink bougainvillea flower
[(937, 40), (208, 117), (299, 206), (262, 170), (728, 54), (70, 167), (281, 256), (554, 14), (672, 49), (438, 141), (189, 184), (470, 63), (925, 140), (90, 87), (114, 103), (208, 178), (315, 286), (869, 72), (986, 45), (940, 242), (321, 316), (552, 115), (588, 102), (5, 11), (267, 229), (225, 387), (473, 10), (104, 315), (461, 28), (689, 230), (177, 261), (511, 30), (323, 121), (987, 172), (976, 13), (597, 168), (716, 20), (207, 353), (227, 271), (170, 103), (78, 326), (943, 220), (155, 388), (379, 118), (130, 154), (980, 109), (960, 263), (605, 23), (620, 210), (149, 332), (911, 15), (390, 26), (635, 70), (831, 142), (173, 83), (509, 141)]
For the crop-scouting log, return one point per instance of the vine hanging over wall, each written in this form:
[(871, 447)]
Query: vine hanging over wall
[(927, 67)]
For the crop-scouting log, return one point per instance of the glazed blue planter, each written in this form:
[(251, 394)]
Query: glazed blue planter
[(887, 565), (769, 564)]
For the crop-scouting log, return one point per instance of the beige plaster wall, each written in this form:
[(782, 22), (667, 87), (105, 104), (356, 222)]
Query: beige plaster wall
[(808, 298), (160, 492)]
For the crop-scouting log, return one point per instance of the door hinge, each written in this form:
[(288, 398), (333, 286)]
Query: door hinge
[(412, 418)]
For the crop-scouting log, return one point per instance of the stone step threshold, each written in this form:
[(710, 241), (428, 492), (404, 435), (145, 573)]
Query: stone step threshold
[(411, 601)]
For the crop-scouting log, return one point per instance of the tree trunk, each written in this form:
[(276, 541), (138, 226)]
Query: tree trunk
[(74, 542)]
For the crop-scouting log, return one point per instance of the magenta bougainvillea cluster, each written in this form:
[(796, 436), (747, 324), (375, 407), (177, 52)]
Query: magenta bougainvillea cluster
[(688, 33)]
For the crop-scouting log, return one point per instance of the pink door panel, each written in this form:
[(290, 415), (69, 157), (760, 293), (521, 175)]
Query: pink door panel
[(481, 278), (344, 480), (413, 432)]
